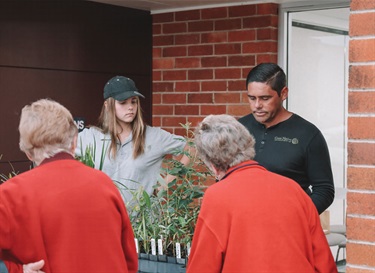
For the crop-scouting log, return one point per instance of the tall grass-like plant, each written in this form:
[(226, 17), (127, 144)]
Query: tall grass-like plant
[(5, 177), (171, 213), (88, 155), (88, 158), (143, 215)]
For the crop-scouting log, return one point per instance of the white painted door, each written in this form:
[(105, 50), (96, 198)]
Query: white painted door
[(317, 69)]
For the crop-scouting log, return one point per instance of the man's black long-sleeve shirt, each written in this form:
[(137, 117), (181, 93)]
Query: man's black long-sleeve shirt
[(295, 148)]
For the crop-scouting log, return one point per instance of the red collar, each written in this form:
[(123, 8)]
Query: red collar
[(239, 166), (59, 156)]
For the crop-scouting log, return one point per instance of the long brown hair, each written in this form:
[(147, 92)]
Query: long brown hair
[(109, 124)]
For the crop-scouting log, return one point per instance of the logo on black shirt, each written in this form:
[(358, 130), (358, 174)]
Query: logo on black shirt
[(286, 139)]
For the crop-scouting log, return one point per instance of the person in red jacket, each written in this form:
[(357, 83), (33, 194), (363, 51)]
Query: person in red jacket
[(252, 220), (67, 214)]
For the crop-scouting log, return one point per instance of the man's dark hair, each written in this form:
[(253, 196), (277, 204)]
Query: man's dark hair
[(268, 73)]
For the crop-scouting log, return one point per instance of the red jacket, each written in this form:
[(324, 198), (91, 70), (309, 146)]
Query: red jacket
[(68, 214), (258, 221)]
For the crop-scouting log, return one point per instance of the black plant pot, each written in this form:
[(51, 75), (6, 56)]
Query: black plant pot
[(181, 261), (162, 258), (171, 260), (153, 257), (170, 265), (144, 256)]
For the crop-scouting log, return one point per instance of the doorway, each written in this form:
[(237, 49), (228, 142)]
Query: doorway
[(314, 54)]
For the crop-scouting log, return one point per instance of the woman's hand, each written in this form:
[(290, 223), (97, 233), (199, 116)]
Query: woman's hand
[(33, 267)]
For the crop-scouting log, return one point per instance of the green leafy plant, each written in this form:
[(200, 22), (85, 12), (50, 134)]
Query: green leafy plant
[(144, 213), (88, 155), (5, 177), (171, 213), (88, 158)]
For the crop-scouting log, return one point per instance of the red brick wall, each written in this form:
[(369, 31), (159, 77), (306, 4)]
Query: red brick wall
[(361, 139), (201, 59)]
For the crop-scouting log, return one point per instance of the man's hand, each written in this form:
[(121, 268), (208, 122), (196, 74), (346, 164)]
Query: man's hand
[(33, 267)]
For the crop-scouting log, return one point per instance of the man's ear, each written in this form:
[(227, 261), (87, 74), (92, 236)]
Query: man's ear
[(284, 93)]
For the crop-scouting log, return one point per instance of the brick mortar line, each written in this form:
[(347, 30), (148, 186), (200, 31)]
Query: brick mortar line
[(361, 166), (357, 242), (362, 192), (362, 11), (359, 266), (358, 38), (372, 63), (364, 141), (361, 115), (365, 90)]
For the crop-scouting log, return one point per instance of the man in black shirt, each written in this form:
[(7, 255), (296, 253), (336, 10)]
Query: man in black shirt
[(286, 143)]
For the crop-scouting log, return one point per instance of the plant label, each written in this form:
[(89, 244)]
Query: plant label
[(160, 247), (153, 247), (136, 244), (178, 251)]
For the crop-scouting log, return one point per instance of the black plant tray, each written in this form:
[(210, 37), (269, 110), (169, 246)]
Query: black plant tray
[(160, 264)]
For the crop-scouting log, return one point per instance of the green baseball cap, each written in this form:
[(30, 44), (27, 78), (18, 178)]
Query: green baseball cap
[(121, 88)]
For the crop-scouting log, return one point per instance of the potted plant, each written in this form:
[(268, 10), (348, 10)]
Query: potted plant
[(164, 222)]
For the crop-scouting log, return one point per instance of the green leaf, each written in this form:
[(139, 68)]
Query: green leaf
[(147, 199)]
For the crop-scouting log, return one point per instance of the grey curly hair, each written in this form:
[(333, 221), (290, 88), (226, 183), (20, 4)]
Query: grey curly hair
[(46, 128), (223, 142)]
